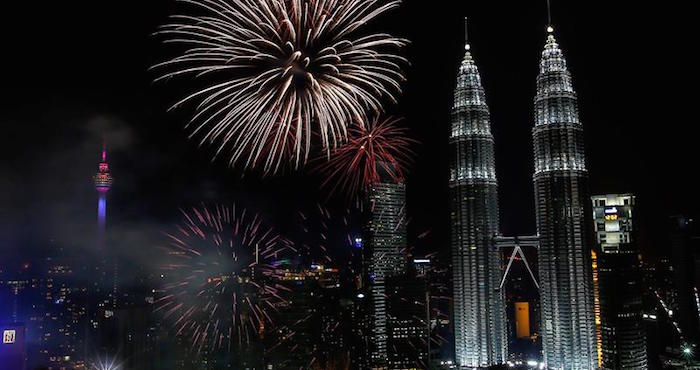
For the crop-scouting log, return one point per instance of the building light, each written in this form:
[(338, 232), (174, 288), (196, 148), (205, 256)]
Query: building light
[(8, 336)]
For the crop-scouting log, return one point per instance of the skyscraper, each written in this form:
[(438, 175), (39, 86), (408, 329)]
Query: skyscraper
[(384, 248), (685, 264), (479, 304), (563, 218), (408, 308), (618, 286)]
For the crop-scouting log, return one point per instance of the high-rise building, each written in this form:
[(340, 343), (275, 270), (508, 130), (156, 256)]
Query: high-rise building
[(479, 304), (563, 221), (409, 325), (685, 265), (618, 285), (384, 249)]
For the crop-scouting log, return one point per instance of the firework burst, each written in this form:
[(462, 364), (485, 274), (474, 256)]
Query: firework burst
[(374, 152), (279, 71), (220, 290)]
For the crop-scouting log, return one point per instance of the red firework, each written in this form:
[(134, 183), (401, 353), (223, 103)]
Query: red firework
[(220, 282), (377, 152)]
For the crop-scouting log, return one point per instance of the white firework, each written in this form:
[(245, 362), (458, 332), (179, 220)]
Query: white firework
[(282, 75)]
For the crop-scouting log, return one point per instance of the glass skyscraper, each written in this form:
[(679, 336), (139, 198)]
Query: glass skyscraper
[(618, 285), (385, 258), (563, 219), (479, 304)]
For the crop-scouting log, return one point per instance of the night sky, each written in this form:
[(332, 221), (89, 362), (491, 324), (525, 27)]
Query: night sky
[(75, 71)]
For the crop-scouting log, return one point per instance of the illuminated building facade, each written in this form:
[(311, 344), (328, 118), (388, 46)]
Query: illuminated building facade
[(563, 218), (384, 254), (479, 304), (618, 284)]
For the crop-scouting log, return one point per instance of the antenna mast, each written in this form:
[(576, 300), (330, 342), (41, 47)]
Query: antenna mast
[(466, 33), (550, 28)]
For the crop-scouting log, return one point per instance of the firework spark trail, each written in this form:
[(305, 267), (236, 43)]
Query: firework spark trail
[(326, 236), (381, 146), (280, 71), (217, 288)]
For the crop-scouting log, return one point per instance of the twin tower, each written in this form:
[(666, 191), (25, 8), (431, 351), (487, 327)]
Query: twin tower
[(562, 202)]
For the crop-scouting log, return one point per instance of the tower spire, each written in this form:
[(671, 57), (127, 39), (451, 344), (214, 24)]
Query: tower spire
[(104, 150), (466, 34), (550, 28)]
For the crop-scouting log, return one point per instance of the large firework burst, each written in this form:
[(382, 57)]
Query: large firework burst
[(220, 289), (375, 152), (281, 71)]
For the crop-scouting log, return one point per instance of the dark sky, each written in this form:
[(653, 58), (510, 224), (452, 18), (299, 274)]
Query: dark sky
[(73, 71)]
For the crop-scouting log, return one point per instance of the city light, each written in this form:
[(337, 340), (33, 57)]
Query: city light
[(385, 254), (106, 364)]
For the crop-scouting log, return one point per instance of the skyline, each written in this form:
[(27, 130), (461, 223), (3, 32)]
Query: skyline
[(98, 92)]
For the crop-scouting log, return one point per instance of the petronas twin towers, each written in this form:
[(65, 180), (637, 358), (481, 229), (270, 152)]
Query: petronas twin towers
[(561, 194)]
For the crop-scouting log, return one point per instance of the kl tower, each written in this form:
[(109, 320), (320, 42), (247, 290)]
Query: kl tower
[(103, 182)]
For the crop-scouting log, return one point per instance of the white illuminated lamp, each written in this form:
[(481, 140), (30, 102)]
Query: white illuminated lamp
[(467, 47), (550, 29)]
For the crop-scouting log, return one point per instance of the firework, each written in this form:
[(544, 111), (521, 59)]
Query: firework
[(327, 236), (376, 152), (278, 72), (221, 288), (322, 239)]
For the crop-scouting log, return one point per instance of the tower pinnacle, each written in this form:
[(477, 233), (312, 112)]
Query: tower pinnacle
[(466, 34)]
